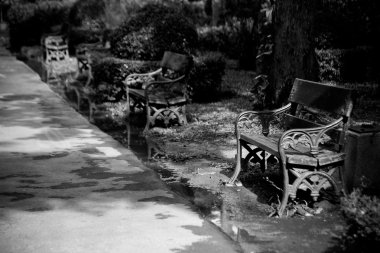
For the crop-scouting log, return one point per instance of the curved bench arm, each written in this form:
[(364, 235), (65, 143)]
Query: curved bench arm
[(311, 137), (138, 78), (153, 84), (265, 117), (137, 75)]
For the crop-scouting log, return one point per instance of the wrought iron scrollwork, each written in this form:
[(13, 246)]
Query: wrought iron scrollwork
[(249, 119), (311, 140), (311, 137), (314, 181)]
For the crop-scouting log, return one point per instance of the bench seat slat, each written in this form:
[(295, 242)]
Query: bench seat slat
[(301, 156), (268, 144)]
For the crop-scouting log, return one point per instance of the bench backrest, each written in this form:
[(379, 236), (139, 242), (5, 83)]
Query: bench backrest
[(83, 57), (177, 62), (56, 48), (318, 102), (328, 98)]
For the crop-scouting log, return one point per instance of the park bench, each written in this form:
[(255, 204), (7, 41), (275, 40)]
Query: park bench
[(310, 149), (161, 93), (80, 83), (56, 59)]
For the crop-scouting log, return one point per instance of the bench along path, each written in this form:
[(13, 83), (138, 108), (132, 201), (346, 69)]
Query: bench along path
[(65, 186), (312, 148)]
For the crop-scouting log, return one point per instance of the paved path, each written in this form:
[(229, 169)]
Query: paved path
[(65, 186)]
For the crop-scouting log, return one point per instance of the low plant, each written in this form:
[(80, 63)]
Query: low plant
[(362, 213), (357, 64), (329, 64)]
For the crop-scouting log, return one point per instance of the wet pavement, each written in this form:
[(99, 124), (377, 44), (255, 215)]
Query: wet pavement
[(65, 186)]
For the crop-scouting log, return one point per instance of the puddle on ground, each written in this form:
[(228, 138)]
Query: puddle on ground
[(241, 220), (51, 155), (208, 204), (17, 196)]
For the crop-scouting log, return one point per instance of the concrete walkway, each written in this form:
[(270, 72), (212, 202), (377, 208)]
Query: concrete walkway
[(65, 186)]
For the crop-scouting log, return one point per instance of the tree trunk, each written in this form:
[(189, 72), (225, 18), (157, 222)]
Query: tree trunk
[(294, 55), (217, 11)]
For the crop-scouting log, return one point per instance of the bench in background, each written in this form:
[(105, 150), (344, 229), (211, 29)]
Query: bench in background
[(161, 93)]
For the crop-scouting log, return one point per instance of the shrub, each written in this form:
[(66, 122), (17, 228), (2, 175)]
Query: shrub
[(88, 13), (86, 22), (219, 38), (362, 213), (79, 35), (205, 78), (154, 29), (194, 11), (174, 33), (28, 22), (330, 62), (136, 45), (109, 74), (143, 18), (353, 65), (236, 39)]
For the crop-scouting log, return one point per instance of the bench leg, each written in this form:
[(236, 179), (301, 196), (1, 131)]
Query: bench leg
[(184, 119), (69, 89), (128, 112), (148, 118), (79, 99), (233, 179), (256, 155), (92, 108), (285, 193), (166, 114), (313, 180)]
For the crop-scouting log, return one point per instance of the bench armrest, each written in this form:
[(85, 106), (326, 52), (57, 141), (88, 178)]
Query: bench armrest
[(151, 86), (134, 77), (264, 116), (311, 137)]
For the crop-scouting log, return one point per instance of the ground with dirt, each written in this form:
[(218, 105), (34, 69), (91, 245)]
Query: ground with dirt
[(197, 159)]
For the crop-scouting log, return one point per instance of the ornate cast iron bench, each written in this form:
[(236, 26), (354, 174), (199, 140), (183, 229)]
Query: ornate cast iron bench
[(310, 149), (56, 59), (80, 84), (163, 92)]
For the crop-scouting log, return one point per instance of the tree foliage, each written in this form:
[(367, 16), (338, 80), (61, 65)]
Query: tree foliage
[(347, 23), (154, 29)]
